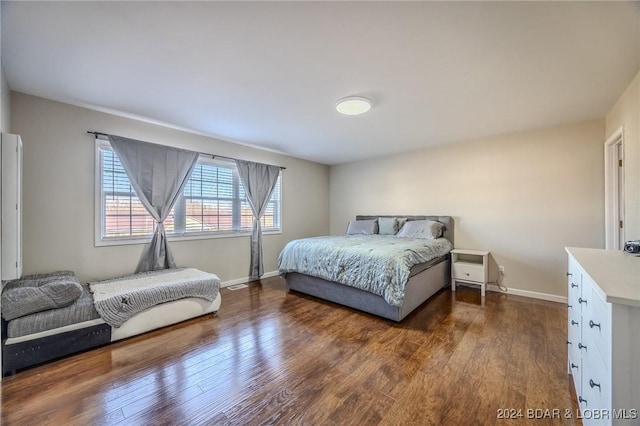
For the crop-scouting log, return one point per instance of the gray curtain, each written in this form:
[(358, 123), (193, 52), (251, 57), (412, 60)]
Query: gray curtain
[(258, 181), (158, 175)]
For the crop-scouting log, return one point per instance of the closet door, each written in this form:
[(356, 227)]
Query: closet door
[(11, 200)]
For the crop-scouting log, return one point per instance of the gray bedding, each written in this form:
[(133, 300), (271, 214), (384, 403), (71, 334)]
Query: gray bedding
[(81, 310), (39, 292), (119, 299), (379, 264)]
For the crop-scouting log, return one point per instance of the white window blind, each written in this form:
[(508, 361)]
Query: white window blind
[(213, 202)]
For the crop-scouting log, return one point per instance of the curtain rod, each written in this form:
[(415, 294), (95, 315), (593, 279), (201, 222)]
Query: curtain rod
[(201, 153)]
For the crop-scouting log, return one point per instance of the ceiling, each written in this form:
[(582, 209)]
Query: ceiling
[(268, 74)]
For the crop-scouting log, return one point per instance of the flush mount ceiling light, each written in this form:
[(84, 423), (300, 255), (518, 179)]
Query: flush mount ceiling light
[(353, 105)]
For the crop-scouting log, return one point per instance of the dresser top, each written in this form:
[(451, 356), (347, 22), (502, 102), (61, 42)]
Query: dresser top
[(616, 273)]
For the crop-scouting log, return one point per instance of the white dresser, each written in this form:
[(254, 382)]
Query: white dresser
[(604, 334)]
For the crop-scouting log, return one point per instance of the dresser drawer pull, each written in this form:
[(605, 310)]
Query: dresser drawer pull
[(581, 300), (593, 384), (568, 342), (581, 399), (581, 346), (573, 365), (569, 306), (574, 285), (569, 274), (593, 324), (574, 322)]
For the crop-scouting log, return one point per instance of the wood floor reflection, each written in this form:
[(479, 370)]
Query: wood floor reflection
[(270, 357)]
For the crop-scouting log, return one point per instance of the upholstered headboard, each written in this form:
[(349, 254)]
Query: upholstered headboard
[(446, 220)]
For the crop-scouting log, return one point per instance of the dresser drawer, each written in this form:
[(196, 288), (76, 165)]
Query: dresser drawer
[(597, 325), (573, 335), (574, 293), (574, 283), (575, 368), (596, 381), (467, 271)]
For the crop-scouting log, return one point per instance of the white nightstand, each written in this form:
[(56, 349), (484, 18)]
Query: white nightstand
[(471, 267)]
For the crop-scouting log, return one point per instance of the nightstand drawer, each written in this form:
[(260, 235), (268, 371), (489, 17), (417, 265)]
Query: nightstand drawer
[(467, 271)]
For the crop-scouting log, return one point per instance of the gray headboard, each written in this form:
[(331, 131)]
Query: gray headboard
[(446, 220)]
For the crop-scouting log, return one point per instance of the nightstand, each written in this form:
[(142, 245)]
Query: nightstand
[(471, 267)]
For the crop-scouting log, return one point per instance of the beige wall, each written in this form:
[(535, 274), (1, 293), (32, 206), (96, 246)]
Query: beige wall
[(5, 99), (626, 114), (524, 197), (5, 102), (59, 195), (5, 94)]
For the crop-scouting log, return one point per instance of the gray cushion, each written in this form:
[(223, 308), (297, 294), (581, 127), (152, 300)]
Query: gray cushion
[(362, 227), (79, 311), (388, 225), (41, 292), (428, 229)]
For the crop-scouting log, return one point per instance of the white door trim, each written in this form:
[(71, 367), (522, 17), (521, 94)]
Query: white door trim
[(613, 189)]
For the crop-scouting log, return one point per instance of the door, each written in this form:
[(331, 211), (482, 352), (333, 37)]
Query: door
[(614, 191)]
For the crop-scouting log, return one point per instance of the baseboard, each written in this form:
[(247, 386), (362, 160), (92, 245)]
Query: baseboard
[(531, 294), (523, 293), (490, 287), (248, 279)]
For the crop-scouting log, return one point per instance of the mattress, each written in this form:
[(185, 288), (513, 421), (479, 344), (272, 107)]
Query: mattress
[(83, 314), (81, 311), (60, 332), (119, 299), (416, 269), (150, 319), (419, 288), (379, 264)]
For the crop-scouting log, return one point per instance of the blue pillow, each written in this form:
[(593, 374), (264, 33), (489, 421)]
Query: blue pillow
[(366, 227), (388, 225), (426, 229)]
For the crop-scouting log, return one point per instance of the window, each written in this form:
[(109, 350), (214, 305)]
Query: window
[(213, 203)]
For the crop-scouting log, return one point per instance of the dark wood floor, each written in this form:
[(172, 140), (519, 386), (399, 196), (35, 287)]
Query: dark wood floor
[(275, 358)]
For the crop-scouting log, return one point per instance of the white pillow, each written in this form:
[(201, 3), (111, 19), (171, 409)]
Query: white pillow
[(427, 229)]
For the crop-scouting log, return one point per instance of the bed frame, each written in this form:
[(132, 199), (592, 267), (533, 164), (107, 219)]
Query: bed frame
[(420, 287), (32, 352), (57, 343)]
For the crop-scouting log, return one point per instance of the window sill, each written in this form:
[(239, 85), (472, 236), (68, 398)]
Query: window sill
[(171, 238)]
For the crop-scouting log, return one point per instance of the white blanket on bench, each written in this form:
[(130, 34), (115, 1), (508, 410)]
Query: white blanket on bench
[(119, 299)]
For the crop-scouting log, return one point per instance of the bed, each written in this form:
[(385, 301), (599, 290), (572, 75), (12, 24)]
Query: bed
[(143, 302), (423, 279)]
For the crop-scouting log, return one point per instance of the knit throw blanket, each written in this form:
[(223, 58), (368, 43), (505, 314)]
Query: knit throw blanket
[(119, 299)]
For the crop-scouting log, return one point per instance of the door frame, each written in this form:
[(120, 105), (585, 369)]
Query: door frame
[(613, 190)]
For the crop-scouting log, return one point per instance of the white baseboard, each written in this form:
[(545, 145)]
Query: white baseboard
[(523, 293), (490, 287), (527, 293), (247, 279)]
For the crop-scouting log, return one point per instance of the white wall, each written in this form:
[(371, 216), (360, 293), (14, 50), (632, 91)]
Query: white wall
[(626, 113), (524, 197), (59, 195)]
